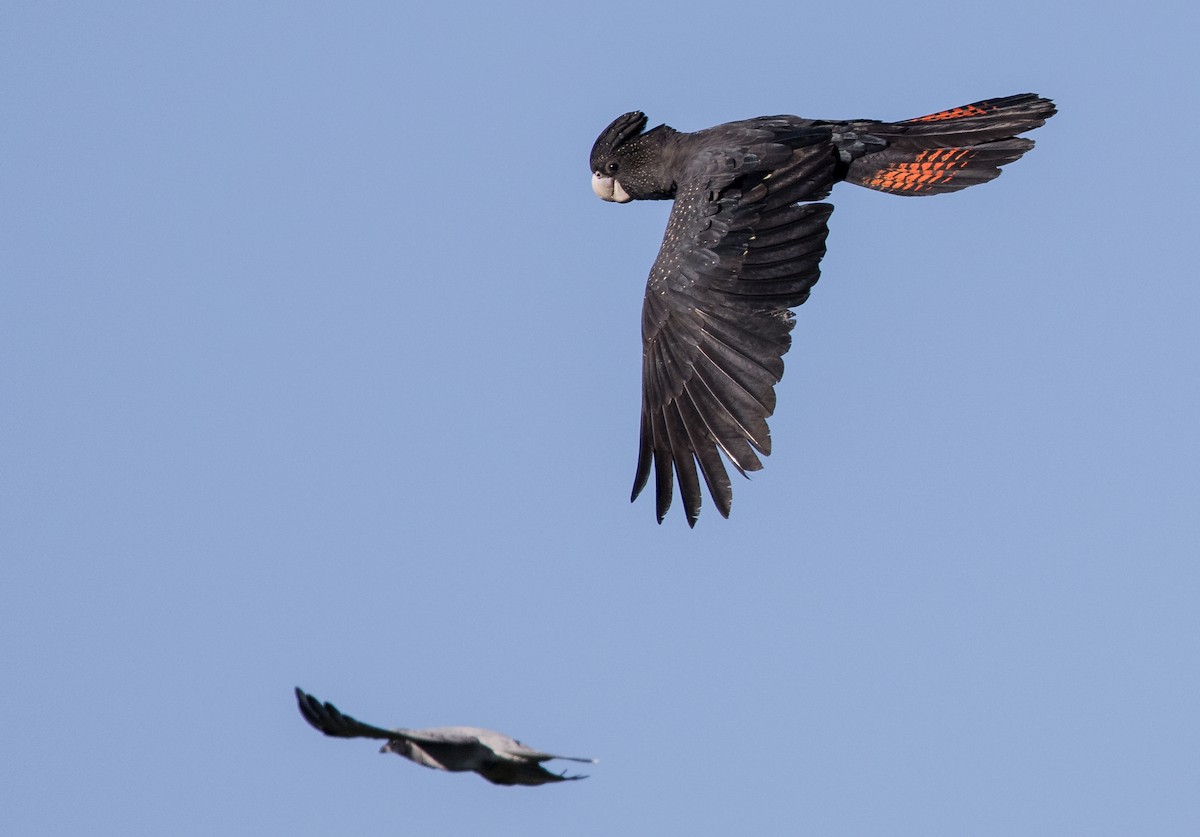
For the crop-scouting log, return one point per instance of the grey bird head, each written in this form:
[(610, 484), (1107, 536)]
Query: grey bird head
[(494, 756), (630, 165)]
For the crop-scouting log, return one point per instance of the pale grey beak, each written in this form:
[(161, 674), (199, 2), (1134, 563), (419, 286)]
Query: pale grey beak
[(609, 189)]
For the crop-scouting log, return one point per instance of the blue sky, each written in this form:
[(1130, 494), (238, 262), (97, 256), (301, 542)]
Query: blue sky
[(321, 368)]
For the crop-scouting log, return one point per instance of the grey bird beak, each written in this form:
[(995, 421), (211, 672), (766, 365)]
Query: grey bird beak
[(609, 189)]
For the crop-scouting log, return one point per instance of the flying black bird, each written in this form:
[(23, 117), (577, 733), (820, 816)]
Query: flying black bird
[(496, 757), (740, 250)]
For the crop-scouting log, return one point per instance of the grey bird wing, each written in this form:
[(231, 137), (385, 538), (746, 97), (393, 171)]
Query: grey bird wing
[(518, 750), (737, 254), (445, 750), (495, 756), (496, 743), (458, 744), (326, 718), (449, 748)]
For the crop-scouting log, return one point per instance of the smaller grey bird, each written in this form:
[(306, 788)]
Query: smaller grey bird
[(494, 756)]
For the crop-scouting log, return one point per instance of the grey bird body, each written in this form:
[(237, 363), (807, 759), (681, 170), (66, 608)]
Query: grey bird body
[(743, 245), (494, 756)]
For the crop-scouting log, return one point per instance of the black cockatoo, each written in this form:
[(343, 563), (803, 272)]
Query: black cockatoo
[(743, 245)]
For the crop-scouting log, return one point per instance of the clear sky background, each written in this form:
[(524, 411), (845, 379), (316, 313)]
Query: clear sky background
[(320, 367)]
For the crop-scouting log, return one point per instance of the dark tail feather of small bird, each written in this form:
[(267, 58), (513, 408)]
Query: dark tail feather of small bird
[(951, 149)]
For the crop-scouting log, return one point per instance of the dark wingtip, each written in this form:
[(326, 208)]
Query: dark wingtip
[(691, 503), (305, 703)]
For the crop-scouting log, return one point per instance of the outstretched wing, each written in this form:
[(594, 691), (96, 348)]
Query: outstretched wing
[(737, 254), (326, 718)]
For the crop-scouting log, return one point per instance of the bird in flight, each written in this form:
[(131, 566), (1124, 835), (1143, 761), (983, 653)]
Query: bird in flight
[(743, 245), (494, 756)]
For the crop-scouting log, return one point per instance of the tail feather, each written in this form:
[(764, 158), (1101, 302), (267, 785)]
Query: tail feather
[(951, 149)]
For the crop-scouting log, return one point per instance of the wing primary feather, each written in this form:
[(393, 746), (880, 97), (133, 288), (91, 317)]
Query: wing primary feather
[(642, 475), (749, 376), (748, 373), (705, 446), (664, 483), (685, 464), (762, 349), (727, 433), (741, 405)]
